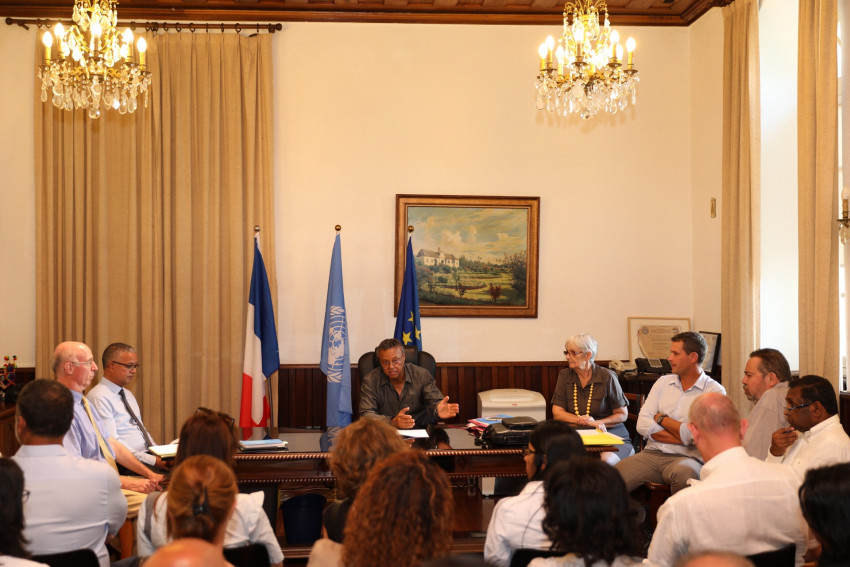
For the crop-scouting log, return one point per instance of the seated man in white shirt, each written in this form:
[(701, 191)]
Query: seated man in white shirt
[(73, 502), (670, 456), (765, 381), (740, 504), (117, 406), (814, 437)]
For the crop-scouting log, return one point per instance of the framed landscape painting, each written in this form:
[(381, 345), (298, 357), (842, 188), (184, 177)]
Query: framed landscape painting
[(475, 256)]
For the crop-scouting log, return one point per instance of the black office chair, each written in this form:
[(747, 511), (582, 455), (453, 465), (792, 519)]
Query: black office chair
[(369, 361), (76, 558), (254, 555), (523, 556), (784, 557)]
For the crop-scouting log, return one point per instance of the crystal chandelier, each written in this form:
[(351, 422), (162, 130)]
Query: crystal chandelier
[(584, 73), (94, 66)]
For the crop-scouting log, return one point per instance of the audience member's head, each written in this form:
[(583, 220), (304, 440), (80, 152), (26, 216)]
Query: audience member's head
[(358, 447), (550, 442), (825, 500), (692, 342), (73, 365), (401, 515), (715, 424), (765, 369), (45, 410), (201, 498), (187, 552), (713, 559), (819, 391), (207, 433), (12, 542), (120, 363), (588, 511)]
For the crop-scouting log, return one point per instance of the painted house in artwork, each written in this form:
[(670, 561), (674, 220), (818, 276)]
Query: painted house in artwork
[(438, 258)]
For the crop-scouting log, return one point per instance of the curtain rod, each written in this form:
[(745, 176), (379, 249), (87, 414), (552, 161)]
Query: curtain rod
[(156, 26)]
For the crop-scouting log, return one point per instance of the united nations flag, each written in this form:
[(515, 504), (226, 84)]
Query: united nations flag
[(335, 361)]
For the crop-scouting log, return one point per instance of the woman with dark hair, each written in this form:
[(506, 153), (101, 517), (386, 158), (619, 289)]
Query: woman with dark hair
[(589, 517), (211, 434), (825, 501), (356, 450), (402, 515), (516, 522), (13, 550)]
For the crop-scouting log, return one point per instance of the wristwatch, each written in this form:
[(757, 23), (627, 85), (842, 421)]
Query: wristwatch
[(660, 418)]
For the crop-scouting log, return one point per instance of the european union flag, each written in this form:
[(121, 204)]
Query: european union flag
[(407, 327), (336, 358)]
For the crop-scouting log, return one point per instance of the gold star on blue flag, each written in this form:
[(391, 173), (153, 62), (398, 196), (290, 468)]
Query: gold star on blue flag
[(407, 327)]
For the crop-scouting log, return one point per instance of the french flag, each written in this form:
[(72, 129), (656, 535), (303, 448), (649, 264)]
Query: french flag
[(261, 354)]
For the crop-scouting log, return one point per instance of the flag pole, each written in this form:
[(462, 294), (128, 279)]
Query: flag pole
[(268, 382)]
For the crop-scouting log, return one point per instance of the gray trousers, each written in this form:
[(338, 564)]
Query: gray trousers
[(651, 465)]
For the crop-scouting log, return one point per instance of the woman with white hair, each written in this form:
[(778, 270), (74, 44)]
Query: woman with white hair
[(587, 394)]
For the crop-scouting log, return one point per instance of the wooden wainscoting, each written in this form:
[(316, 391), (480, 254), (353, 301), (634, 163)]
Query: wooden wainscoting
[(301, 387)]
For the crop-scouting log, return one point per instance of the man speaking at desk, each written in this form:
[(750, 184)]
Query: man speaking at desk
[(405, 395)]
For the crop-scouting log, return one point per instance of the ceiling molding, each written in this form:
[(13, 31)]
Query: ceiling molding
[(495, 12)]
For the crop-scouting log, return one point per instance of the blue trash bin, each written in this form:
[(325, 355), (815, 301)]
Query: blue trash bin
[(302, 518)]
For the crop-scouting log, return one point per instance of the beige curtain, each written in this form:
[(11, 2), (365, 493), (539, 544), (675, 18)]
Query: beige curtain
[(145, 222), (817, 133), (740, 243)]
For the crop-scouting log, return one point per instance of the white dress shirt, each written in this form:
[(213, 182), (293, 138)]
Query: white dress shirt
[(249, 524), (666, 396), (73, 503), (516, 523), (824, 444), (741, 504), (105, 400), (767, 416)]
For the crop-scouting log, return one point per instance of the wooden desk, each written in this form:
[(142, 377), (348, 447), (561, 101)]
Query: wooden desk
[(305, 465), (8, 442)]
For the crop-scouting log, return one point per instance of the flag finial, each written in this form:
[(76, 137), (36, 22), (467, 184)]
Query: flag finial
[(337, 228), (410, 228), (256, 228)]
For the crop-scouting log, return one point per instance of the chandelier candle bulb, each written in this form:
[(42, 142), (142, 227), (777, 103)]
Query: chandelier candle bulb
[(47, 40), (142, 47), (542, 52), (630, 47)]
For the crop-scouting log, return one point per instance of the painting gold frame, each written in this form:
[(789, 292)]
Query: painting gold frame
[(522, 235)]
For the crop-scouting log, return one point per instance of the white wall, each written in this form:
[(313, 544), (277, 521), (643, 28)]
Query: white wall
[(17, 195), (779, 266), (706, 65), (366, 111)]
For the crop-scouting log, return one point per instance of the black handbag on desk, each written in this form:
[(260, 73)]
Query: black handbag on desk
[(512, 431)]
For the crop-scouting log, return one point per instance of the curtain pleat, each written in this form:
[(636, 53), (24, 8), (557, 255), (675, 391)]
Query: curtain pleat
[(740, 240), (817, 133)]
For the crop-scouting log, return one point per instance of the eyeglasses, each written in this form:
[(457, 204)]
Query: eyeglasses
[(528, 451), (89, 361), (127, 366), (573, 353), (393, 362), (798, 406), (25, 495), (229, 421)]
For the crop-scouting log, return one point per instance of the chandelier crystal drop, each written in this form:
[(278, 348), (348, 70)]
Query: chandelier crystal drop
[(583, 72), (93, 65)]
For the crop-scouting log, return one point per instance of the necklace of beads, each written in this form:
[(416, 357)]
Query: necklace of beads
[(575, 399)]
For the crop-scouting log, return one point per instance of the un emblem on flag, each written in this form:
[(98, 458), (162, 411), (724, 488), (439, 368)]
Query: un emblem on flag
[(336, 343)]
